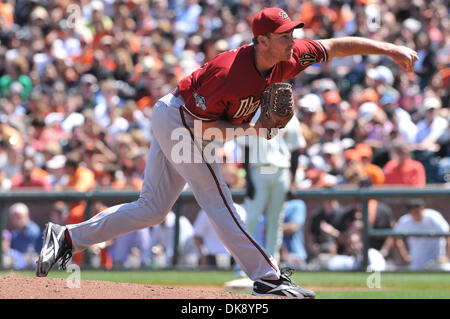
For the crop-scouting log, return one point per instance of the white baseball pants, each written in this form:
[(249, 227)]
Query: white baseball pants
[(165, 176)]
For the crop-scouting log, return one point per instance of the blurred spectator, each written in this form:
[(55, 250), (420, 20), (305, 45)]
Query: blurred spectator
[(325, 228), (354, 172), (374, 172), (7, 14), (77, 137), (17, 72), (42, 135), (351, 257), (96, 156), (332, 153), (332, 132), (31, 177), (317, 178), (88, 87), (12, 258), (432, 131), (402, 125), (132, 250), (376, 124), (56, 169), (107, 104), (423, 252), (26, 236), (5, 182), (162, 245), (432, 127), (353, 168), (293, 251), (310, 110), (401, 169), (331, 102), (59, 213), (186, 16), (233, 177), (10, 135), (139, 161), (380, 217), (210, 247), (12, 159), (125, 148), (80, 178)]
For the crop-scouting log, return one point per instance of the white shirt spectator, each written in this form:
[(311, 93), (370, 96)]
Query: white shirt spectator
[(204, 229), (344, 262), (163, 234), (435, 129), (406, 126), (423, 250)]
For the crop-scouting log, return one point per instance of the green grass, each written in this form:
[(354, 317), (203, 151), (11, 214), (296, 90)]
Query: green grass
[(326, 285)]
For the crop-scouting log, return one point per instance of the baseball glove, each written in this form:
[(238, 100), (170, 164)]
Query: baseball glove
[(277, 108)]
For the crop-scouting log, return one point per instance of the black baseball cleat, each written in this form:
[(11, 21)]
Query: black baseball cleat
[(55, 248), (282, 287)]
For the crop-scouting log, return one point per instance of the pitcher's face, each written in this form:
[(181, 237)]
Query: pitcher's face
[(281, 46)]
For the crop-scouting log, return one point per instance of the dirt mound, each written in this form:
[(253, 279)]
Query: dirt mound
[(12, 287)]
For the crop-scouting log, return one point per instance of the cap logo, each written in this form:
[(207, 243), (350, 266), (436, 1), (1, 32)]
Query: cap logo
[(283, 14)]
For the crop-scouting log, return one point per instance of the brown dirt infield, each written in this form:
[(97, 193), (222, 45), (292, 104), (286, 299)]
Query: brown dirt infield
[(14, 287)]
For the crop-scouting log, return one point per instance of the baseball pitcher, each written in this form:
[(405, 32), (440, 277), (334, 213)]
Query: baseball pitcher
[(222, 95)]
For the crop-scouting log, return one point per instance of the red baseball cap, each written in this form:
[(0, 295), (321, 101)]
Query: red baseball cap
[(273, 20)]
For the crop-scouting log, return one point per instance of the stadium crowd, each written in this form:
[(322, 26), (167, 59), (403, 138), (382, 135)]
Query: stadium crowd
[(78, 80)]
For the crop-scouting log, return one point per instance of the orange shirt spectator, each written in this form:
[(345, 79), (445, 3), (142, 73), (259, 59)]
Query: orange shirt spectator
[(408, 172), (312, 15), (374, 172), (77, 211), (81, 179), (402, 170), (7, 13)]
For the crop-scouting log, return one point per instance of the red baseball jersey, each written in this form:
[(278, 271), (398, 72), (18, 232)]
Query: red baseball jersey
[(229, 87)]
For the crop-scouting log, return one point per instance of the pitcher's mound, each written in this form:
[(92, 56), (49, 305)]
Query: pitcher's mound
[(12, 287)]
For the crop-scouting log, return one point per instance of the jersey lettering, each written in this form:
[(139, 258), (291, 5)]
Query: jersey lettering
[(307, 59), (247, 106)]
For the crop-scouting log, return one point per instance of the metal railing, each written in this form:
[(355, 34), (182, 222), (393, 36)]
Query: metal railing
[(360, 195), (366, 194)]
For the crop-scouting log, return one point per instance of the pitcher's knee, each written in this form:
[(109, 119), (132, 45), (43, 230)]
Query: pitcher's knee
[(155, 215)]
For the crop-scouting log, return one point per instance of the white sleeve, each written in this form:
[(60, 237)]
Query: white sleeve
[(438, 219), (401, 225), (438, 127), (294, 138)]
